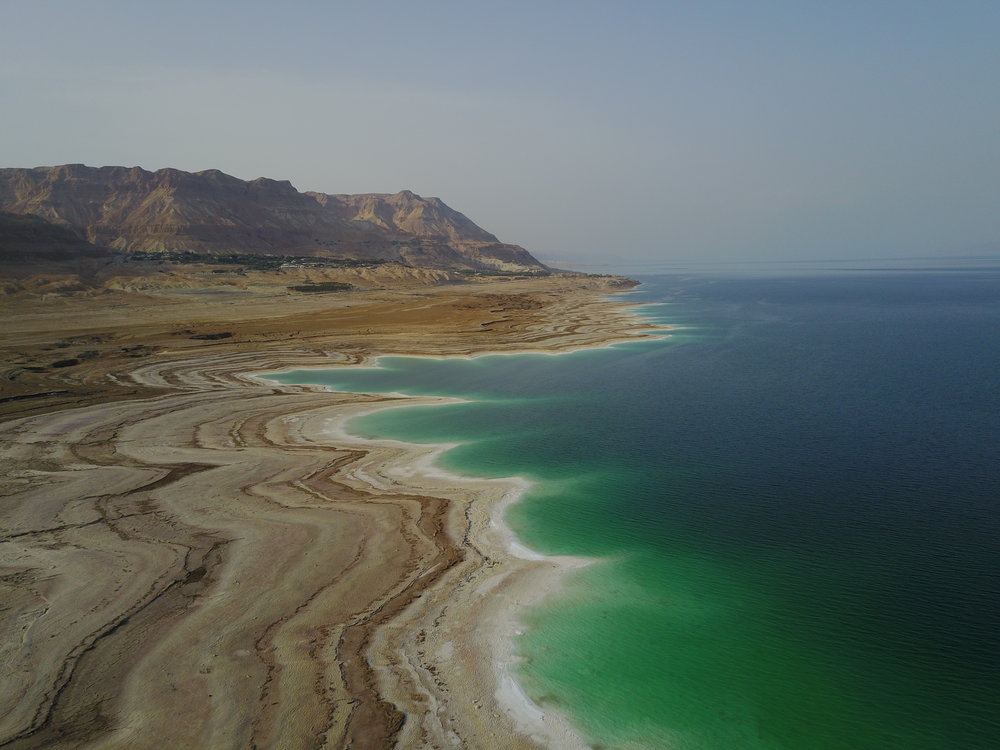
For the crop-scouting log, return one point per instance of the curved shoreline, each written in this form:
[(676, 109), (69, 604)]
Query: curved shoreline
[(187, 542), (452, 614)]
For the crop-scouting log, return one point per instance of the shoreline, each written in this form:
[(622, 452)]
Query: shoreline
[(182, 538), (525, 576)]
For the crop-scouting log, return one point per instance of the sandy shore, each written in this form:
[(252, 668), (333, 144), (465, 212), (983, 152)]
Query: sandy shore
[(191, 557)]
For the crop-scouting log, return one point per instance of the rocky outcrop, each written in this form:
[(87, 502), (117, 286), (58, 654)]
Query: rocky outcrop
[(133, 210)]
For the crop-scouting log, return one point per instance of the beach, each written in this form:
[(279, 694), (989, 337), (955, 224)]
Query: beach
[(196, 557)]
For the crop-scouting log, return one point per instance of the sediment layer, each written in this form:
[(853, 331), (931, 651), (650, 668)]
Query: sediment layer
[(192, 557)]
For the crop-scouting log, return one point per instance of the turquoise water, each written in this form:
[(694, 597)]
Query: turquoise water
[(793, 501)]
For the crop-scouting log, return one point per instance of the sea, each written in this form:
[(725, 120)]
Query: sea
[(792, 501)]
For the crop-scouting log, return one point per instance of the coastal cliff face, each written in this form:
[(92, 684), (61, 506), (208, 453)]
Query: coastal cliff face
[(130, 209)]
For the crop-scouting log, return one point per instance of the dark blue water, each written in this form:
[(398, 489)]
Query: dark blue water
[(796, 498)]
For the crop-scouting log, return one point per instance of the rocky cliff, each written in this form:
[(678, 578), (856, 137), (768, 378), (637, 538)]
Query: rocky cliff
[(133, 210)]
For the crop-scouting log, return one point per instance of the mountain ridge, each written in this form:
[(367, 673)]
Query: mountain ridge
[(130, 209)]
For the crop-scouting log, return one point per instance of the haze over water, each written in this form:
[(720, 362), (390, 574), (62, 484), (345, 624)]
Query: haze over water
[(793, 501), (715, 129)]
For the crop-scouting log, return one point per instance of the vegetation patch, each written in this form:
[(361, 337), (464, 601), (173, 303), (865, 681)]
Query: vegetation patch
[(254, 262), (325, 286)]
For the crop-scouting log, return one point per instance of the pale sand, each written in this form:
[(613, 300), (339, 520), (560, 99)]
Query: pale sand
[(191, 557)]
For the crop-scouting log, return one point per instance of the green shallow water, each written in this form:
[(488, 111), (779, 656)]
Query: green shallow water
[(793, 505)]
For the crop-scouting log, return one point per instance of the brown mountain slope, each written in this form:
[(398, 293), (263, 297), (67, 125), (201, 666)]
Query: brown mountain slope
[(29, 244), (405, 213), (134, 210)]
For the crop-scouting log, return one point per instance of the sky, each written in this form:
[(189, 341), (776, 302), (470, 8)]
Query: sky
[(588, 132)]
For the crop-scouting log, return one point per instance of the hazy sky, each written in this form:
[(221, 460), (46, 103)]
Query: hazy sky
[(582, 130)]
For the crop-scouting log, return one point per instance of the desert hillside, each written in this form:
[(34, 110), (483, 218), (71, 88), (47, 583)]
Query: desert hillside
[(132, 210)]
